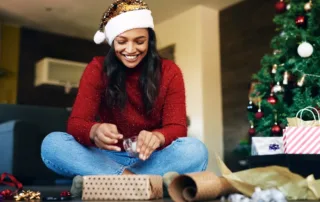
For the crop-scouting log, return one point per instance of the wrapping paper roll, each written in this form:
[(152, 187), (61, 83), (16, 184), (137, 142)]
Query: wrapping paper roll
[(199, 186)]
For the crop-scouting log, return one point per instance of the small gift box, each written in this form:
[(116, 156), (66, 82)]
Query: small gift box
[(122, 187), (302, 137), (266, 146)]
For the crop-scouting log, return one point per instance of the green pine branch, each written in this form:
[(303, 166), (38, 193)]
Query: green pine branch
[(285, 44)]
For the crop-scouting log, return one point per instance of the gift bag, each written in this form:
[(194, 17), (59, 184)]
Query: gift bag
[(266, 146), (122, 187), (302, 137)]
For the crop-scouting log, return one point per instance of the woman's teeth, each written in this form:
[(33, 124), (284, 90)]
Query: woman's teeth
[(131, 57)]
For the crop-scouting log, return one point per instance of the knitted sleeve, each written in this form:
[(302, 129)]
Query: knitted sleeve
[(87, 103), (174, 118)]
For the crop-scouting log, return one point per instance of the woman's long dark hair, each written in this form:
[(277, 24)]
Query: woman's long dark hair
[(149, 81)]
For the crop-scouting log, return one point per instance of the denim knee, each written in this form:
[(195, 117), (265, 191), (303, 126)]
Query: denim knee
[(194, 149), (54, 148), (51, 143)]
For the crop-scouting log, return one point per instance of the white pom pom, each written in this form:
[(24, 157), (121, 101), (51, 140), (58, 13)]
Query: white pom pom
[(99, 37), (305, 49)]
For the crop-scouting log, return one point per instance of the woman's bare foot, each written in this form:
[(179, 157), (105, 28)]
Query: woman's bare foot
[(127, 172)]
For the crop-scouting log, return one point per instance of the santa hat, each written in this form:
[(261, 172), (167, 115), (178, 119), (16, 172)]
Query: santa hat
[(121, 16)]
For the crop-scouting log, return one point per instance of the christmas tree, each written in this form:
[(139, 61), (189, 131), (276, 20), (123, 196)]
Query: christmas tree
[(289, 78)]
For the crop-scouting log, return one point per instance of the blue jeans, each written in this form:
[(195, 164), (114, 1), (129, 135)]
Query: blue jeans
[(64, 155)]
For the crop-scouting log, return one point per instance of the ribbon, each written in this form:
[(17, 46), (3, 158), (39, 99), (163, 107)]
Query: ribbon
[(8, 194), (14, 182), (274, 147)]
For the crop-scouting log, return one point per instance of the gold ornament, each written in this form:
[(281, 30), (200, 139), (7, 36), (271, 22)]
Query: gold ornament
[(276, 52), (274, 68), (300, 83), (308, 6), (285, 78), (27, 195), (255, 99), (288, 7), (121, 6)]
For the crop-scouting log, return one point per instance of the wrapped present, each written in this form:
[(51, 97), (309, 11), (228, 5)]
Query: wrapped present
[(123, 187), (302, 137), (266, 146)]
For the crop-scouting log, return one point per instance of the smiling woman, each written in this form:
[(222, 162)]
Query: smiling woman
[(135, 93), (132, 46)]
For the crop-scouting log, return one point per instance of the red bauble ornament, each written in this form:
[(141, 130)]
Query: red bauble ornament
[(280, 7), (276, 130), (272, 100), (65, 194), (252, 132), (7, 194), (259, 114), (301, 21)]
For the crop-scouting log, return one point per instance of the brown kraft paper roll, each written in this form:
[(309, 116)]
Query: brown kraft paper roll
[(199, 186)]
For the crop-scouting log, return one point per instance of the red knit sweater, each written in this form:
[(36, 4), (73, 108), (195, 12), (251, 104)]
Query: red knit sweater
[(168, 115)]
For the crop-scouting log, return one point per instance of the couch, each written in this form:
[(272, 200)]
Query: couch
[(22, 129)]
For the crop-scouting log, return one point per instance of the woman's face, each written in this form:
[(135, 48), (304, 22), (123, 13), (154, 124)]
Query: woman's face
[(132, 46)]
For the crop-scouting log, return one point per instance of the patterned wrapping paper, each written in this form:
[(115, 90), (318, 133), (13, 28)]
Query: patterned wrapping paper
[(302, 137), (123, 187), (301, 140)]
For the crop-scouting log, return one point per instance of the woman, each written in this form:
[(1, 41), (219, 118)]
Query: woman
[(134, 93)]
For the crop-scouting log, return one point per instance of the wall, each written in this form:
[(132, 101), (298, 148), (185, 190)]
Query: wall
[(34, 46), (211, 84), (187, 42), (9, 60), (195, 35), (246, 30)]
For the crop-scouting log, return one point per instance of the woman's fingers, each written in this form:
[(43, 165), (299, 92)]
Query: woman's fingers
[(147, 143), (105, 139), (153, 145), (102, 145)]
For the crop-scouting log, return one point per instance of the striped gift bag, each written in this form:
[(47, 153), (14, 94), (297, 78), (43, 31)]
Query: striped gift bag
[(302, 139)]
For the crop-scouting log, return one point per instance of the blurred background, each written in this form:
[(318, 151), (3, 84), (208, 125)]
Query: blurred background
[(218, 44)]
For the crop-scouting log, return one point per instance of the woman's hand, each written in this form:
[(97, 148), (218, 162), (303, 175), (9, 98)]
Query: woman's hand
[(148, 142), (105, 135)]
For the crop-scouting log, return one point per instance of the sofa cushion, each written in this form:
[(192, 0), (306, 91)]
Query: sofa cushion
[(23, 129), (20, 152), (48, 119), (7, 126), (7, 138)]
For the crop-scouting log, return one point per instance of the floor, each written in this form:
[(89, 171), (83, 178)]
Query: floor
[(55, 191)]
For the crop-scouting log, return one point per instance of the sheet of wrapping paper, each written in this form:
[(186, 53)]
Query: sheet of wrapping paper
[(294, 121), (293, 186)]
